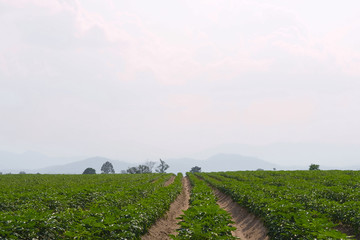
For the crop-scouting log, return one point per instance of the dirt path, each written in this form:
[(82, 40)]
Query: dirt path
[(248, 226), (168, 224)]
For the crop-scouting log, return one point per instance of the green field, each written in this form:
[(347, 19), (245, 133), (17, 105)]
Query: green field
[(292, 204), (82, 206), (296, 204)]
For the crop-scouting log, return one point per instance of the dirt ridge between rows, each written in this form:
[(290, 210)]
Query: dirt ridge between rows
[(248, 226), (169, 223)]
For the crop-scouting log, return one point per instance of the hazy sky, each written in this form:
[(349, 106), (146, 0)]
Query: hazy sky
[(141, 78)]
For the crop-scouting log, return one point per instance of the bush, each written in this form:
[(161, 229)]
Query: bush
[(314, 167), (89, 171)]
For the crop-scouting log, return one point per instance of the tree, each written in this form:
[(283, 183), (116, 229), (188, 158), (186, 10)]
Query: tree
[(162, 167), (144, 169), (314, 167), (147, 168), (89, 171), (195, 169), (22, 172), (107, 168), (150, 165), (132, 170)]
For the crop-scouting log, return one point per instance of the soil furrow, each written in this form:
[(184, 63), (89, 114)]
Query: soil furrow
[(348, 231), (169, 223), (248, 226), (170, 181)]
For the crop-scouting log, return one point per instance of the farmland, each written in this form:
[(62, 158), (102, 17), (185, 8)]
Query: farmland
[(290, 205), (299, 204), (88, 207)]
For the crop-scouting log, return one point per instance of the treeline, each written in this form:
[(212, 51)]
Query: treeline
[(147, 167)]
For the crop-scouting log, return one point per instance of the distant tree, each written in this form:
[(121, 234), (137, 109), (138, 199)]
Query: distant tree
[(0, 173), (22, 172), (195, 169), (144, 169), (274, 169), (123, 172), (163, 166), (147, 168), (314, 167), (150, 165), (132, 170), (107, 168), (259, 169), (89, 171)]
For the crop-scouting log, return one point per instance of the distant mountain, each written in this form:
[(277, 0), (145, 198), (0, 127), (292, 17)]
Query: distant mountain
[(339, 156), (182, 164), (79, 166), (235, 162), (220, 162), (238, 157), (29, 160)]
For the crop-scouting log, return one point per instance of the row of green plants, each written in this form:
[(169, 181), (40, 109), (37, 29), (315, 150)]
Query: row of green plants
[(204, 220), (283, 214), (82, 206), (333, 193), (59, 192), (138, 218)]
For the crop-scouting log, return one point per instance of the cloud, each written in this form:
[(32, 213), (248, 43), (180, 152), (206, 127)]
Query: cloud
[(216, 70), (262, 39)]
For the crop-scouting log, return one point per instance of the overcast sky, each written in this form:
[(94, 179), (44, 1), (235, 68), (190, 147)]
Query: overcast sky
[(140, 78)]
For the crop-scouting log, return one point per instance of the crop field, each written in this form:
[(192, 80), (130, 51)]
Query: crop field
[(297, 204), (83, 206), (289, 204), (204, 219)]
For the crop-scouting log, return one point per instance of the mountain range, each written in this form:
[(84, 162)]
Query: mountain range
[(219, 162), (343, 156), (282, 156), (79, 166), (15, 162)]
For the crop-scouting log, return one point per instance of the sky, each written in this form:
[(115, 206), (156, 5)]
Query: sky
[(142, 79)]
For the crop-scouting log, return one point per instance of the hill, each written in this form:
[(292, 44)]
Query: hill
[(79, 166), (15, 162), (220, 162), (335, 156)]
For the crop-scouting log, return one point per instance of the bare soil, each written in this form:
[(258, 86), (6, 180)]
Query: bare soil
[(169, 181), (348, 231), (169, 223), (248, 226)]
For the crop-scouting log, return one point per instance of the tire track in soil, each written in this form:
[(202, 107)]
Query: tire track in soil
[(248, 226), (169, 223)]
